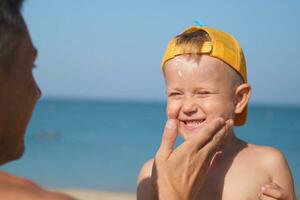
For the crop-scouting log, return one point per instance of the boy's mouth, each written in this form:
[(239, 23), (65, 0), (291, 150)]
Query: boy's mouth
[(192, 124)]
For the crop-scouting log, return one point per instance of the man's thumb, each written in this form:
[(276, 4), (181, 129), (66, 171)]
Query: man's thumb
[(168, 139)]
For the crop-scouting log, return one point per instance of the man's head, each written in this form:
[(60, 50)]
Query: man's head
[(18, 89), (11, 28), (205, 78)]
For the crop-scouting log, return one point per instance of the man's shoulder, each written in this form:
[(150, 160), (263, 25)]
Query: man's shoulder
[(13, 187)]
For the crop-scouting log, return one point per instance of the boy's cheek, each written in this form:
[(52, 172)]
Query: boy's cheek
[(173, 108), (217, 109)]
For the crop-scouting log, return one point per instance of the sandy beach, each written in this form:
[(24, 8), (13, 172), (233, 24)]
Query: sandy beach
[(96, 195)]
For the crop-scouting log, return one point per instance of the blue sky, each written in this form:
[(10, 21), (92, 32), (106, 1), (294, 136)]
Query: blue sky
[(113, 49)]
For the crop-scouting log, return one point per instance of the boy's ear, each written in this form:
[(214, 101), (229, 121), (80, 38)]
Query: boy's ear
[(242, 96)]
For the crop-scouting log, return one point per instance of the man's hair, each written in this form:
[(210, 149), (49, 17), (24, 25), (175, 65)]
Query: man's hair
[(192, 42), (11, 28)]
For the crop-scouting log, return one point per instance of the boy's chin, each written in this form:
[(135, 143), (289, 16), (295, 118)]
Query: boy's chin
[(186, 134)]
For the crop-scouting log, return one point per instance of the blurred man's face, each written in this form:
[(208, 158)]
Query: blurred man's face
[(18, 96)]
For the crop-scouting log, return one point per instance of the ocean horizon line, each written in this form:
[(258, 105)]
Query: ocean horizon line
[(152, 101)]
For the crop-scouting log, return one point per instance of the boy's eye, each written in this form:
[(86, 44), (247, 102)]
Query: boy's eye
[(203, 92), (174, 94)]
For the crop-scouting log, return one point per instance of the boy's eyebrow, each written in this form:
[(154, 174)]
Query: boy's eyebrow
[(168, 88)]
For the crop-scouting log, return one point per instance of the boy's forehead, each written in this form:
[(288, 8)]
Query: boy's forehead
[(203, 64)]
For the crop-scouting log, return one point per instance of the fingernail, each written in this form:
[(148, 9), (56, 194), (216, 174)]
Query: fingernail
[(168, 114), (230, 122), (221, 120), (263, 188), (171, 124)]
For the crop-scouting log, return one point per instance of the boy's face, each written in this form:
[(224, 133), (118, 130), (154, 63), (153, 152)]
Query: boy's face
[(199, 88)]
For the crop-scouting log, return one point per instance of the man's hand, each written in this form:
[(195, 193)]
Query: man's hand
[(273, 191), (178, 174)]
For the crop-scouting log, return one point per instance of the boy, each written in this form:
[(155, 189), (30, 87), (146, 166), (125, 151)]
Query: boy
[(205, 76)]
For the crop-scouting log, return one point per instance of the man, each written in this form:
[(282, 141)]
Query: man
[(19, 94)]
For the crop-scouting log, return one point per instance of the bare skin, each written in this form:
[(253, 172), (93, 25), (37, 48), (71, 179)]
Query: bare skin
[(18, 96), (202, 91), (273, 191), (223, 180), (12, 187), (178, 174)]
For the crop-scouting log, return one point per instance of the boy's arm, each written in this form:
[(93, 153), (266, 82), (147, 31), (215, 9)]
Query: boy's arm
[(280, 173), (145, 190)]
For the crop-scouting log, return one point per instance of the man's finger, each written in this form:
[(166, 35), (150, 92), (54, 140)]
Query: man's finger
[(272, 185), (168, 139), (217, 139), (271, 192), (206, 133), (264, 197)]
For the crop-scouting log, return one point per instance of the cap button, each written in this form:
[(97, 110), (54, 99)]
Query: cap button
[(198, 23)]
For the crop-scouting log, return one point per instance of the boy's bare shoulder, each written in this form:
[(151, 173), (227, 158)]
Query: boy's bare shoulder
[(266, 154), (269, 158), (146, 170), (275, 165), (145, 188), (13, 187)]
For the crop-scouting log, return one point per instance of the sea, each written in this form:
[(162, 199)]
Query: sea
[(102, 144)]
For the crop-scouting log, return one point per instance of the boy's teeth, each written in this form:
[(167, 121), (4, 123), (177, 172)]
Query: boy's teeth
[(193, 124)]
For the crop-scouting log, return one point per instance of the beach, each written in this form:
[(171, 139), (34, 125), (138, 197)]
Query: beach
[(96, 195)]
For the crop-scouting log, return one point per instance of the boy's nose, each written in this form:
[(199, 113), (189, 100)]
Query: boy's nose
[(189, 107)]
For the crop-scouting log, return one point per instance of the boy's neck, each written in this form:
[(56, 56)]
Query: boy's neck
[(230, 142)]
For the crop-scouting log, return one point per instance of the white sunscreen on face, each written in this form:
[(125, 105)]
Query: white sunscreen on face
[(179, 73), (178, 62)]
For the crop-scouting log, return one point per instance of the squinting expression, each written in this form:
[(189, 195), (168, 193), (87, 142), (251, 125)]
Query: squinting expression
[(199, 88)]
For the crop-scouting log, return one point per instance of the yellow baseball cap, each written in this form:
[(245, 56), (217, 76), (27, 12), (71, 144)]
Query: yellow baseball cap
[(222, 46)]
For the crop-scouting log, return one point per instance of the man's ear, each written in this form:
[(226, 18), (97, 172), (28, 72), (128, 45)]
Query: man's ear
[(242, 96)]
